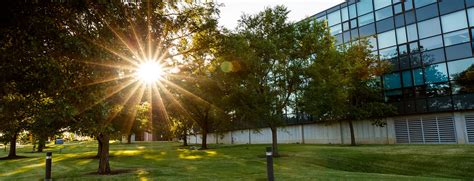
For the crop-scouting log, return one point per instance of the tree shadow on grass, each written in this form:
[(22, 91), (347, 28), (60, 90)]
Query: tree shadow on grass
[(115, 172), (13, 158)]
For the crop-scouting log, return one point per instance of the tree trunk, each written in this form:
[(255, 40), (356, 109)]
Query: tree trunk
[(204, 140), (104, 166), (41, 144), (185, 140), (353, 141), (99, 147), (12, 152), (129, 139), (274, 141)]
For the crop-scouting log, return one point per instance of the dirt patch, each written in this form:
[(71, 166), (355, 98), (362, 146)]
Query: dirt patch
[(13, 158)]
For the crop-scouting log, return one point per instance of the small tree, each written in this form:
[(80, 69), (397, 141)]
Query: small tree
[(343, 86)]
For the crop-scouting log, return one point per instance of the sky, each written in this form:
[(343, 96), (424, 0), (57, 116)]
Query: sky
[(299, 9)]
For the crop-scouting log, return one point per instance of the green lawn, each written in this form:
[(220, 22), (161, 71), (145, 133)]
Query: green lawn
[(167, 161)]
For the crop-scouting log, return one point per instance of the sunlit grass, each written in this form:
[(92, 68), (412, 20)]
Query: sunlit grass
[(169, 161)]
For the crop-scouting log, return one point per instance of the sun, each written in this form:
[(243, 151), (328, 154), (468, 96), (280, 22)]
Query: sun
[(150, 72)]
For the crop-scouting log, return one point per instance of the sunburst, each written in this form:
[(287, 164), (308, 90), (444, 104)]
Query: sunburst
[(148, 69)]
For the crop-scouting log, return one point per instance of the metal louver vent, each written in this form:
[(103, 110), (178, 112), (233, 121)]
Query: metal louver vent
[(470, 128), (447, 133), (430, 130), (416, 131), (401, 131)]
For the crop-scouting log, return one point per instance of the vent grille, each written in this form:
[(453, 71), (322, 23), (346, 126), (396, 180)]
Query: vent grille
[(428, 130), (470, 127), (401, 130)]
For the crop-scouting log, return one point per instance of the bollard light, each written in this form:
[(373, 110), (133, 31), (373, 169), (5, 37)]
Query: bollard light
[(47, 176), (269, 154)]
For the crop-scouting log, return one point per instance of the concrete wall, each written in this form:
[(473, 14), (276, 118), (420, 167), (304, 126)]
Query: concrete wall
[(324, 133)]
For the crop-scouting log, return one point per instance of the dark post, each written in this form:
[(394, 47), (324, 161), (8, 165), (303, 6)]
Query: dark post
[(48, 166), (269, 155)]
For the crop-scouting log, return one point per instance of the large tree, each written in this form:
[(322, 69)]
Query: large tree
[(263, 63), (343, 85), (35, 63)]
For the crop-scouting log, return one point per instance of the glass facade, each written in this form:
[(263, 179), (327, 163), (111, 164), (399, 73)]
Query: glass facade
[(428, 42)]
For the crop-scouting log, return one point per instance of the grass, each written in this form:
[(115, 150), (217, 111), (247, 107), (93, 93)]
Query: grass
[(168, 161)]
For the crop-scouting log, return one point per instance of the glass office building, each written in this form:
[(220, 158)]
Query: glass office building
[(430, 46), (428, 42)]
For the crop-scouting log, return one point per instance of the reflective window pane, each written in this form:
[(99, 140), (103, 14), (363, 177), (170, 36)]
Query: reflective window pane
[(388, 53), (410, 17), (336, 29), (418, 77), (427, 12), (344, 14), (364, 6), (415, 60), (339, 39), (408, 4), (431, 43), (392, 81), (469, 3), (354, 34), (456, 37), (436, 73), (406, 79), (470, 15), (353, 23), (347, 36), (414, 47), (433, 56), (367, 30), (366, 19), (412, 33), (334, 18), (399, 20), (380, 4), (383, 13), (450, 6), (397, 9), (458, 51), (457, 69), (373, 43), (401, 35), (454, 21), (403, 49), (345, 26), (385, 25), (429, 28), (352, 11), (387, 39), (420, 3)]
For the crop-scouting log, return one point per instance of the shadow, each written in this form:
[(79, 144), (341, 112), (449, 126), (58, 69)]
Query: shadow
[(114, 172), (14, 158)]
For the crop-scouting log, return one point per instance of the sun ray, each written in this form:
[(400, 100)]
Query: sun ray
[(105, 80), (124, 101), (138, 39), (110, 94), (150, 100), (186, 92), (124, 57), (109, 65), (122, 40), (174, 100), (134, 103), (161, 105)]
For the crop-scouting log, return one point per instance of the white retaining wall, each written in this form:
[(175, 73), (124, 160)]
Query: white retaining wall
[(324, 133)]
